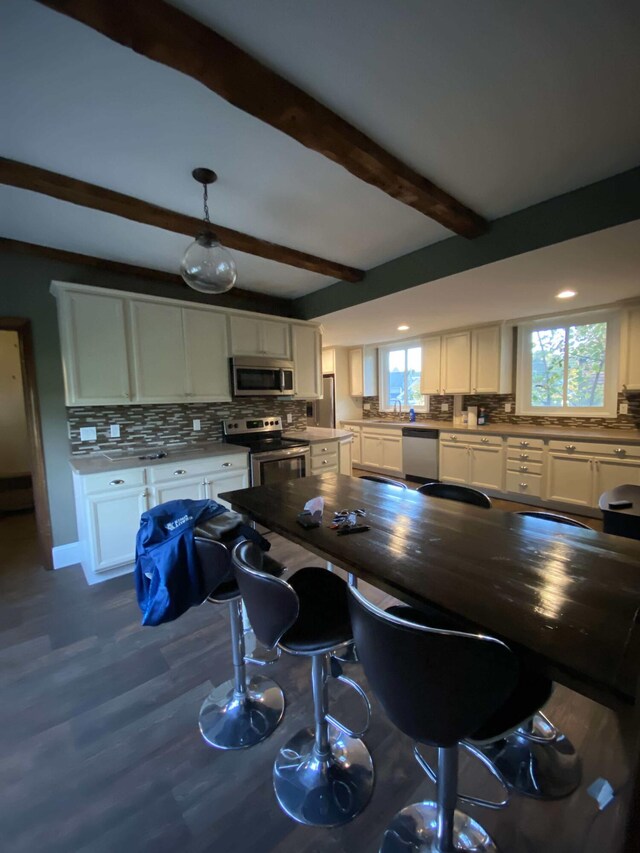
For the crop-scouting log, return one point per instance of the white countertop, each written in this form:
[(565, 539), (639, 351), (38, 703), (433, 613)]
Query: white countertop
[(631, 436), (115, 460), (319, 434)]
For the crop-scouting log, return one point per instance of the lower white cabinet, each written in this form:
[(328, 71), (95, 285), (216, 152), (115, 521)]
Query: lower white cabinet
[(324, 457), (344, 457), (569, 479), (356, 443), (472, 460), (109, 504), (579, 476), (485, 467), (381, 450)]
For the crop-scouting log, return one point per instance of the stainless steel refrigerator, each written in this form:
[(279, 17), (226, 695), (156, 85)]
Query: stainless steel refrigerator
[(322, 413)]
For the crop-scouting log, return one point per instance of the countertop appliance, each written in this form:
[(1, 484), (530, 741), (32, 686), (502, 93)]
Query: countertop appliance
[(272, 457), (262, 377), (322, 413), (420, 454)]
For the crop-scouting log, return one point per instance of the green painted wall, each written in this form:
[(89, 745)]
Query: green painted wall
[(24, 292)]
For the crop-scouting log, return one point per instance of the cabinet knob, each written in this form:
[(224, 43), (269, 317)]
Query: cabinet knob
[(474, 390), (325, 461), (178, 472), (524, 444), (523, 485), (453, 437), (524, 467), (484, 440), (570, 446), (324, 449), (524, 456), (620, 450), (116, 483), (227, 465)]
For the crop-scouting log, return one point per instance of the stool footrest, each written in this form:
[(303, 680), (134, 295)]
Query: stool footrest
[(476, 801), (367, 705)]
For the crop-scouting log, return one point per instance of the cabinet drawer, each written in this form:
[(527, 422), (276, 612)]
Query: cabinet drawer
[(596, 448), (524, 466), (523, 455), (322, 463), (524, 484), (196, 467), (113, 480), (324, 448), (525, 442), (485, 440)]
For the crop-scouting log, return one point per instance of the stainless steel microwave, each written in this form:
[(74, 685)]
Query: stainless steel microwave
[(261, 377)]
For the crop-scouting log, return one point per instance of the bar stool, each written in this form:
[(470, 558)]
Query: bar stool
[(323, 776), (453, 492), (441, 687), (374, 478), (552, 516), (243, 711)]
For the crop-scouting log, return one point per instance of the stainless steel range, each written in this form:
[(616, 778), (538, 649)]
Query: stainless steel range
[(273, 458)]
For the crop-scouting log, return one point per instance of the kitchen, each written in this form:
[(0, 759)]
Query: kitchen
[(420, 314)]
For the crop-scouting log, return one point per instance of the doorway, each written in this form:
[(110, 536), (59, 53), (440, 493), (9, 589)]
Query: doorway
[(23, 484)]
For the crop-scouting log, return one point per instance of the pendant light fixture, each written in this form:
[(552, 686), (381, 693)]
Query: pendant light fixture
[(206, 265)]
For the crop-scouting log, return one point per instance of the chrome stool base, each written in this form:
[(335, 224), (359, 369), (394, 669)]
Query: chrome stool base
[(415, 829), (232, 720), (545, 770), (323, 790)]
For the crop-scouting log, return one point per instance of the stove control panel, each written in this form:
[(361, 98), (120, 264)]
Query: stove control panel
[(244, 426)]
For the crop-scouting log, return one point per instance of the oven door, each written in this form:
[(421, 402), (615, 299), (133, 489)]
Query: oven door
[(279, 465)]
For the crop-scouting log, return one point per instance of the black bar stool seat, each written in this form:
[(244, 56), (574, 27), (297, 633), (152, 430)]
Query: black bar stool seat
[(454, 492), (387, 481), (323, 620)]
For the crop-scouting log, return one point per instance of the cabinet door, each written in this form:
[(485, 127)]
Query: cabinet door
[(355, 448), (392, 453), (356, 372), (94, 346), (430, 375), (610, 473), (114, 520), (344, 457), (275, 339), (226, 483), (570, 479), (206, 351), (245, 336), (633, 350), (485, 360), (485, 467), (158, 352), (454, 462), (371, 450), (456, 367), (306, 358), (186, 488), (328, 361)]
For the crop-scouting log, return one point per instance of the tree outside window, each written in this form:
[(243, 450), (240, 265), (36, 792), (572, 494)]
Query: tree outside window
[(403, 367)]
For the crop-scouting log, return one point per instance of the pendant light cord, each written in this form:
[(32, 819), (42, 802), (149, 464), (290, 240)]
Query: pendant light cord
[(205, 199)]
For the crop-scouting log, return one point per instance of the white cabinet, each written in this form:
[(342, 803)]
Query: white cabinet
[(225, 482), (363, 372), (344, 457), (94, 349), (491, 360), (329, 360), (578, 473), (472, 460), (431, 365), (306, 344), (456, 363), (206, 356), (324, 457), (609, 473), (381, 450), (570, 478), (633, 350), (158, 352), (113, 521), (356, 445), (256, 336)]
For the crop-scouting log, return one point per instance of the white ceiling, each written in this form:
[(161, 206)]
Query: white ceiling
[(602, 268), (502, 104)]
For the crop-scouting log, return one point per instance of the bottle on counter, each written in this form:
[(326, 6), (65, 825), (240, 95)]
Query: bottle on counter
[(412, 415), (482, 416)]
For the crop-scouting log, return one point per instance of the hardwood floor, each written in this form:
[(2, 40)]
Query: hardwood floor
[(100, 750)]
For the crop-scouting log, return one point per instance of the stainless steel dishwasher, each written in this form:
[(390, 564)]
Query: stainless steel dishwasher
[(420, 454)]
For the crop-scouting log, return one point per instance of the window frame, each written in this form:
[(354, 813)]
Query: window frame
[(611, 371), (383, 384)]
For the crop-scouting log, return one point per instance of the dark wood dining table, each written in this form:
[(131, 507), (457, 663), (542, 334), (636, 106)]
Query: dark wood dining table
[(567, 599)]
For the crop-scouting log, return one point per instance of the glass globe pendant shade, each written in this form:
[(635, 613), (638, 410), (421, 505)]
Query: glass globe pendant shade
[(207, 266)]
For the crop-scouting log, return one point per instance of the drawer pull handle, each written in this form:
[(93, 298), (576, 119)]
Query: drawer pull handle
[(179, 471), (324, 449), (620, 450), (116, 483), (524, 444), (325, 461), (524, 456), (524, 467), (570, 446), (484, 440), (523, 485), (453, 437), (227, 465)]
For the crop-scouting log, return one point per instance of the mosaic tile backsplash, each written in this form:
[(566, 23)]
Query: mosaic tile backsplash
[(493, 404), (171, 424)]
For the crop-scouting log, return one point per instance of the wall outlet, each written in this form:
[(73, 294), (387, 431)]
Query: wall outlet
[(196, 425), (507, 407), (444, 407), (623, 408), (114, 431), (289, 418), (366, 407), (88, 434)]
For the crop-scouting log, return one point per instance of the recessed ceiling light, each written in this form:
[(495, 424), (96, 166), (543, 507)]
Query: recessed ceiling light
[(403, 328), (566, 294)]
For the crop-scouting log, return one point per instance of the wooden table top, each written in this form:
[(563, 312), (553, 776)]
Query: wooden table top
[(566, 598)]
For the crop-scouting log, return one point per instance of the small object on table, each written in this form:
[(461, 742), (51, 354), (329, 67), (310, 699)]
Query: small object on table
[(308, 519), (356, 528)]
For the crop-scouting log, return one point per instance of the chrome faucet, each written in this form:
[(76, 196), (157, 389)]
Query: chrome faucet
[(397, 409)]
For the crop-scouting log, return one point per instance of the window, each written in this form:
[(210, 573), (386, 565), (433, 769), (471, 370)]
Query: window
[(568, 366), (400, 368)]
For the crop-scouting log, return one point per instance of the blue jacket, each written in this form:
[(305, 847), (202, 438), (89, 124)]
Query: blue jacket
[(168, 576)]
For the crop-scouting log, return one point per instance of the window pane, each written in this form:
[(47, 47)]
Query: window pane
[(547, 367), (586, 353), (396, 376), (414, 367)]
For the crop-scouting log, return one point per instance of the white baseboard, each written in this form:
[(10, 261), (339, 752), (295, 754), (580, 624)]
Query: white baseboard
[(66, 555)]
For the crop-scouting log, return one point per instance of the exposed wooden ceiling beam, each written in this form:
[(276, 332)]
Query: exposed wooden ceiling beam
[(72, 190), (167, 35), (247, 300)]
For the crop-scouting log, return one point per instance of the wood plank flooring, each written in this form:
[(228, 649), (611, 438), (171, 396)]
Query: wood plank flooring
[(100, 750)]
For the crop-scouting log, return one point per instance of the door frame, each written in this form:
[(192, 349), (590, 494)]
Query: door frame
[(22, 327)]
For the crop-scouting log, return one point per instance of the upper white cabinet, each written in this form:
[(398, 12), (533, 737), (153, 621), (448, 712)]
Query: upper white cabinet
[(456, 363), (491, 360), (363, 372), (206, 353), (476, 361), (633, 351), (94, 349), (431, 359), (306, 342), (255, 336), (158, 352), (329, 360)]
